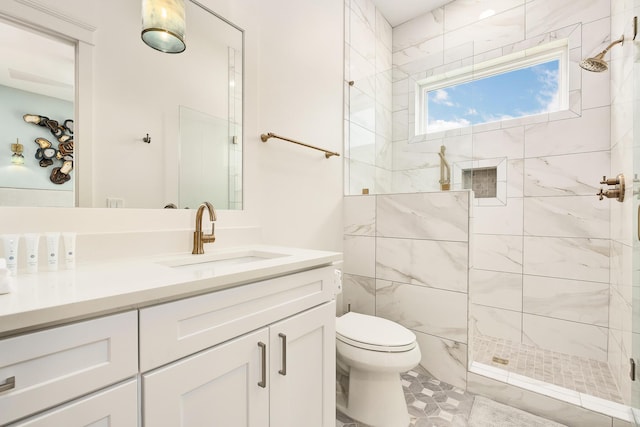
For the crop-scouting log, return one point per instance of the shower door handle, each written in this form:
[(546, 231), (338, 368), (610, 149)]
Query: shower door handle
[(283, 371)]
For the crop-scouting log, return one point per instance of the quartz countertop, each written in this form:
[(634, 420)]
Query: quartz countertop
[(50, 298)]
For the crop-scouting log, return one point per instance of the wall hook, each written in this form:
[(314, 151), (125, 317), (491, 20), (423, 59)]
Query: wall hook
[(147, 139)]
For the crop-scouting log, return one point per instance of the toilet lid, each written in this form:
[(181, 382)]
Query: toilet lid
[(374, 333)]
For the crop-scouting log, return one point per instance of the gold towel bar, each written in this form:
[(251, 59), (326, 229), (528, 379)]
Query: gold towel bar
[(327, 154)]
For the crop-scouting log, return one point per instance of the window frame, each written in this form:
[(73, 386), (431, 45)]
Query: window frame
[(558, 50)]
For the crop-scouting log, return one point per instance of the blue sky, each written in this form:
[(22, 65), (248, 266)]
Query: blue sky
[(517, 93)]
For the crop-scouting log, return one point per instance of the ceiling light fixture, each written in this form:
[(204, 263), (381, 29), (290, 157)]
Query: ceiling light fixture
[(163, 25)]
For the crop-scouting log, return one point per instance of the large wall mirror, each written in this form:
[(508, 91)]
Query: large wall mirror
[(166, 128)]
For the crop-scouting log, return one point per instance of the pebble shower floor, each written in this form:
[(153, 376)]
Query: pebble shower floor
[(580, 374)]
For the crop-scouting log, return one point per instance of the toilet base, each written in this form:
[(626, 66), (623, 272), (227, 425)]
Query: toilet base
[(376, 400)]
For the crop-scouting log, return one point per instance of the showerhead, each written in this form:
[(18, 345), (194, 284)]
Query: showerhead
[(597, 64)]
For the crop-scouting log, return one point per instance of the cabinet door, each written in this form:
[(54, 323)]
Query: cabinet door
[(302, 373), (216, 387), (116, 406)]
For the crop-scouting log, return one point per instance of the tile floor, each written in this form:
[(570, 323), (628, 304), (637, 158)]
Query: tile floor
[(583, 375), (431, 403)]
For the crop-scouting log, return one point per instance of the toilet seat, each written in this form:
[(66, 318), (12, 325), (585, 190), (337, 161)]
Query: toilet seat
[(374, 333)]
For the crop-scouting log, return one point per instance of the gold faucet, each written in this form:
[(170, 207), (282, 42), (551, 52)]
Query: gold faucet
[(198, 236)]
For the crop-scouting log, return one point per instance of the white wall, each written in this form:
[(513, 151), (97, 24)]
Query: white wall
[(300, 84), (293, 72)]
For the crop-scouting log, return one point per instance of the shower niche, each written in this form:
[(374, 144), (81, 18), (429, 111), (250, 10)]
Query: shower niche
[(483, 182), (486, 178)]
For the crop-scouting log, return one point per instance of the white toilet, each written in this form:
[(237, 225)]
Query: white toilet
[(373, 352)]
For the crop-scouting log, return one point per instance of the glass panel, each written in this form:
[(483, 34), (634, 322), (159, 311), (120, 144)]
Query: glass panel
[(634, 225)]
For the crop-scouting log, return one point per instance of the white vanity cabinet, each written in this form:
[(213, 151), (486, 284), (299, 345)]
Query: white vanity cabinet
[(257, 355), (42, 370), (251, 348)]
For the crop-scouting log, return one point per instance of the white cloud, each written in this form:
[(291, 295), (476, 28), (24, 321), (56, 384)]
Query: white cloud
[(441, 96), (548, 97), (471, 112), (441, 125)]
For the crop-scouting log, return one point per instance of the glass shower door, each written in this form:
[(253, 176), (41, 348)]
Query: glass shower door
[(634, 218)]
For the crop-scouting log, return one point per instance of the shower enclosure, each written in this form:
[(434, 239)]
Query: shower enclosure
[(549, 271)]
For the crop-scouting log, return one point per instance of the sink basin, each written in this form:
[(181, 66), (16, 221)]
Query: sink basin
[(223, 259)]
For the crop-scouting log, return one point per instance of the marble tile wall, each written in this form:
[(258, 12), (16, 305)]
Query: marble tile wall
[(553, 257), (406, 259), (540, 261)]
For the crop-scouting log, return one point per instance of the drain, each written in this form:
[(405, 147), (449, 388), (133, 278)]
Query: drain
[(500, 360)]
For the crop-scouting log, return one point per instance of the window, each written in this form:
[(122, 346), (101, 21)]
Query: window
[(519, 85)]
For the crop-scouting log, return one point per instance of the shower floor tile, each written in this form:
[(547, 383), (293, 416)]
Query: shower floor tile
[(580, 374), (430, 402)]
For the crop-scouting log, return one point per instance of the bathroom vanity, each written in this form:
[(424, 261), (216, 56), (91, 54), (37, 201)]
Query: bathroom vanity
[(239, 337)]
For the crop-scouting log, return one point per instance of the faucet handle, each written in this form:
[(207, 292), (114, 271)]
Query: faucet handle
[(600, 194), (610, 181)]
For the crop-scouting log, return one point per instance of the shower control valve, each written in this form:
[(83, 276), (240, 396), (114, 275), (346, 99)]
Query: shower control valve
[(617, 192)]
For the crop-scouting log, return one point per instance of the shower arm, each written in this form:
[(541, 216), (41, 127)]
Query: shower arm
[(612, 44)]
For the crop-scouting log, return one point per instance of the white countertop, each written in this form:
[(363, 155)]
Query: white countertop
[(49, 298)]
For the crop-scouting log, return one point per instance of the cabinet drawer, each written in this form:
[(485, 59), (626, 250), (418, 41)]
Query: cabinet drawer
[(57, 365), (115, 406), (176, 329)]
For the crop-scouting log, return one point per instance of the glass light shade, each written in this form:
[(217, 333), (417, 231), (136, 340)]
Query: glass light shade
[(163, 25), (17, 159)]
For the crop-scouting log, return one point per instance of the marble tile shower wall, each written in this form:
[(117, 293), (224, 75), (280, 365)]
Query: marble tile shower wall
[(367, 127), (406, 259), (540, 271), (625, 100), (541, 264)]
